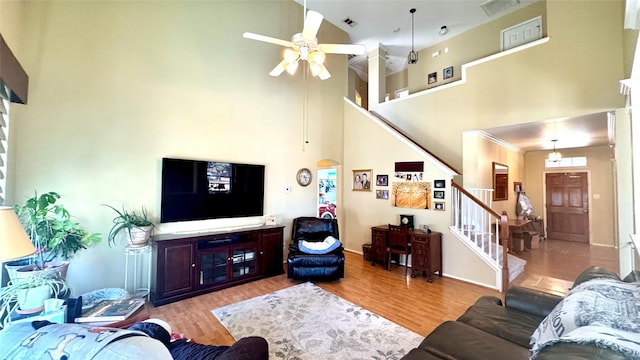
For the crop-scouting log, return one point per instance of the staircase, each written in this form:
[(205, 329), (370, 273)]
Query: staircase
[(474, 223), (484, 231)]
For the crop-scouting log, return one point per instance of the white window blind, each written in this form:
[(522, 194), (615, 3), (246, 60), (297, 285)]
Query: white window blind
[(4, 136)]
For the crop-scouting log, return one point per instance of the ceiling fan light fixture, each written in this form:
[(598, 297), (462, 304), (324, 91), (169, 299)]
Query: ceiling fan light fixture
[(291, 55), (412, 58), (317, 57), (304, 53), (292, 67)]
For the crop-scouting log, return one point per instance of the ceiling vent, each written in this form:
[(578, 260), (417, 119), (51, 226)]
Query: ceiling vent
[(350, 22), (493, 7)]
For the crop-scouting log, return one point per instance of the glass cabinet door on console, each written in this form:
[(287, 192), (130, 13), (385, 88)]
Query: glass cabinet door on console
[(243, 261), (213, 266)]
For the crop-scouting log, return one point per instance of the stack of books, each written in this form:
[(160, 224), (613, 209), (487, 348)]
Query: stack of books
[(111, 310)]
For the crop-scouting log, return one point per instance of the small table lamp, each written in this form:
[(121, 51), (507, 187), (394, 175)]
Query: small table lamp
[(14, 241)]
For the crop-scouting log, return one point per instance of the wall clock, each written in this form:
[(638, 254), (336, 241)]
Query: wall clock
[(303, 177)]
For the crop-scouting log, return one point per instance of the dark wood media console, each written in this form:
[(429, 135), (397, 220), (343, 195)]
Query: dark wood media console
[(186, 265)]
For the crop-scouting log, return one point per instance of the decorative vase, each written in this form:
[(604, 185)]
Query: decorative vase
[(140, 236)]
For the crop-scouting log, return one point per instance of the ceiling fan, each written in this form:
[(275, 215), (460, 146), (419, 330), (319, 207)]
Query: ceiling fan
[(304, 46)]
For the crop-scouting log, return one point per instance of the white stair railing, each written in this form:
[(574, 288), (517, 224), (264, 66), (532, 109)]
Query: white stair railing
[(476, 223)]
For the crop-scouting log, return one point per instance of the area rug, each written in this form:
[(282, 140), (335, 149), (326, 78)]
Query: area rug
[(306, 322)]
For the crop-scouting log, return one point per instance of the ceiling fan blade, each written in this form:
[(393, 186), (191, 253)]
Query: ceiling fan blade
[(279, 69), (311, 25), (342, 49), (324, 73), (268, 39)]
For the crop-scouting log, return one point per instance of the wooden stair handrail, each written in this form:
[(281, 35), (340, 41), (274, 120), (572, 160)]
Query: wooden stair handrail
[(475, 200)]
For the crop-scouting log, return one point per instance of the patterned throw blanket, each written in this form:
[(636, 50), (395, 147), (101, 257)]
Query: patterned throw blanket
[(602, 312), (59, 341)]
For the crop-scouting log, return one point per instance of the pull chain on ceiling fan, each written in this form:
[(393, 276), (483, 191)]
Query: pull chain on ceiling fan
[(304, 46)]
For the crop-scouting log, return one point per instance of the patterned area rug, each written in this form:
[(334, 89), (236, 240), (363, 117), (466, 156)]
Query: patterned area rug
[(306, 322)]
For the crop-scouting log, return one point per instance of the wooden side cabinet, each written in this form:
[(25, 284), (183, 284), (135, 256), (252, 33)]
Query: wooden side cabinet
[(426, 254), (270, 252), (175, 266), (379, 246), (186, 265)]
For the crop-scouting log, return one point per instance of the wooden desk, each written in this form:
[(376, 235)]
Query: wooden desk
[(426, 250), (516, 228)]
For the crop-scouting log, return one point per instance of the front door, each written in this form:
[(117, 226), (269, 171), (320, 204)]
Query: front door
[(567, 206)]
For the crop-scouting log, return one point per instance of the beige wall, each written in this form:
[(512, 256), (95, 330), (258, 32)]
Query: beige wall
[(360, 86), (116, 86), (479, 155), (397, 81), (485, 40), (600, 170), (540, 83)]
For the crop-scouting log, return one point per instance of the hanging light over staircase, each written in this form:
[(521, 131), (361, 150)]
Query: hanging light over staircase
[(413, 56)]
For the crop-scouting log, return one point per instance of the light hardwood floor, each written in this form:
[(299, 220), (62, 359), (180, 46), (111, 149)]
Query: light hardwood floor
[(410, 302)]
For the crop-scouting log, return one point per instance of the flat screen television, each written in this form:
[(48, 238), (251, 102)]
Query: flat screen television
[(200, 190)]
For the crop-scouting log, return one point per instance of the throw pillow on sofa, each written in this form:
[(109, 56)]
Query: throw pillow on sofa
[(320, 247), (603, 312)]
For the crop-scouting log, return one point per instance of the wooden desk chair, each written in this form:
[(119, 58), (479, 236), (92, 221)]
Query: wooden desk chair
[(398, 244)]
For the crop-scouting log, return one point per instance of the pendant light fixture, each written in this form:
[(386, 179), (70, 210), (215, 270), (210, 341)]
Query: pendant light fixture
[(555, 156), (413, 56)]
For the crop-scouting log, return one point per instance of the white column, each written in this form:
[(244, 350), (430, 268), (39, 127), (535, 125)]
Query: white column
[(377, 77)]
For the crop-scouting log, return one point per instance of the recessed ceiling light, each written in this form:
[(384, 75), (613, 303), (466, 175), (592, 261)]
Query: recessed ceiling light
[(396, 29)]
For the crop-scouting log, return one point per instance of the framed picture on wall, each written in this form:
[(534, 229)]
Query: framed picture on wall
[(382, 194), (438, 206), (362, 180), (438, 194), (517, 186), (382, 180), (432, 78), (447, 73), (439, 184)]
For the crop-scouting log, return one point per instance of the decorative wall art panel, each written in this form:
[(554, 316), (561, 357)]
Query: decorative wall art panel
[(414, 195)]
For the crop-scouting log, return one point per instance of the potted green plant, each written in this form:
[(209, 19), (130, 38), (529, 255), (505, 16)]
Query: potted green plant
[(138, 226), (27, 294), (53, 232)]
